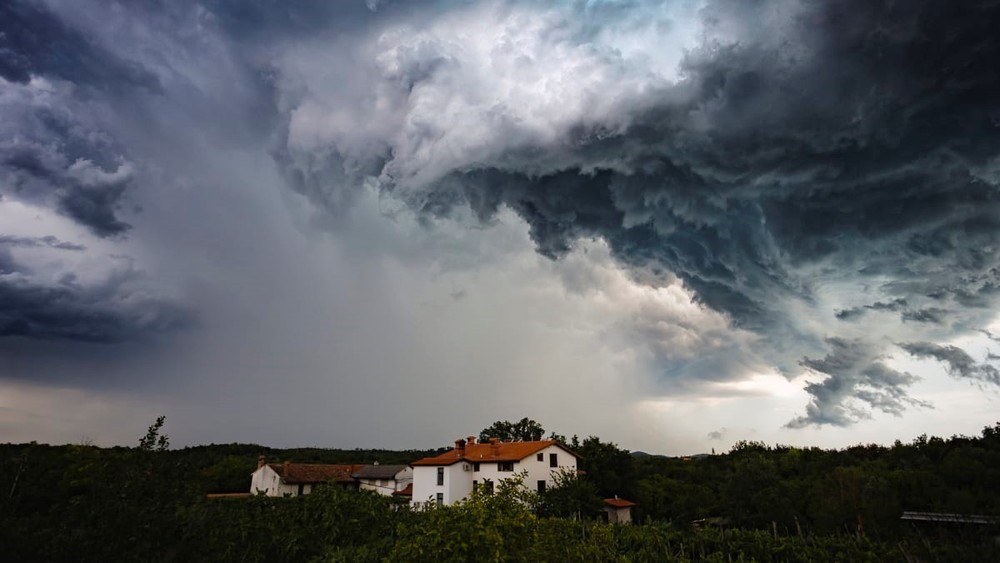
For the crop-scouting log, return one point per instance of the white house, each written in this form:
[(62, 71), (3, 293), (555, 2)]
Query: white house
[(293, 479), (386, 480), (449, 477)]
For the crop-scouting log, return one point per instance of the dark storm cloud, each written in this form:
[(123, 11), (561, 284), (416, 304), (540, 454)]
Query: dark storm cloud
[(931, 315), (957, 361), (856, 141), (53, 151), (36, 42), (51, 167), (276, 19), (927, 315), (854, 374), (110, 311), (856, 312), (265, 21), (802, 146), (58, 152)]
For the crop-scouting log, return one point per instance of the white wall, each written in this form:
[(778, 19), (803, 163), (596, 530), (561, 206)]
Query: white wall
[(388, 486), (458, 483), (380, 486), (536, 470), (267, 480), (404, 478), (424, 484), (619, 515)]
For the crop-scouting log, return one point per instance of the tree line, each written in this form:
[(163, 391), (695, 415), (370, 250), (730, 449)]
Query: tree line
[(755, 502)]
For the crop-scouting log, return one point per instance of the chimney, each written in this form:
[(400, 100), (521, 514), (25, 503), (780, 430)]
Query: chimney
[(260, 461), (460, 447), (495, 445), (471, 440)]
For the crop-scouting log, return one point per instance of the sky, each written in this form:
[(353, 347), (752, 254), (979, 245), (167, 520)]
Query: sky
[(672, 224)]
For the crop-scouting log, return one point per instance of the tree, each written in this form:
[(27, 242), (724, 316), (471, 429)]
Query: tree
[(497, 526), (153, 441), (608, 467), (571, 496), (524, 429)]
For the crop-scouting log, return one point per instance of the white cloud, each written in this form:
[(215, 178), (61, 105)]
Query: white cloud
[(480, 82)]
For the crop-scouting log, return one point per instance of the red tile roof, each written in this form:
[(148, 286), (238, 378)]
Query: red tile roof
[(618, 502), (502, 451), (406, 492), (311, 473)]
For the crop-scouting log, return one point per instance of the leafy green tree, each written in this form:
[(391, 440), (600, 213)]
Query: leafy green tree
[(496, 526), (610, 468), (524, 429), (571, 497)]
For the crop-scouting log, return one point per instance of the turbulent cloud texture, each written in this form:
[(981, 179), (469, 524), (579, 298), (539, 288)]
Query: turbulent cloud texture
[(810, 183), (778, 152)]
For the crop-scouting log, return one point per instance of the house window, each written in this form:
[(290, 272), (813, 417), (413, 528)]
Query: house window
[(553, 460), (540, 457), (440, 499), (541, 486), (440, 476), (475, 466), (488, 485), (505, 466), (475, 484), (302, 489)]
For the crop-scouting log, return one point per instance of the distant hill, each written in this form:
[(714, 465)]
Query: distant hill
[(644, 455)]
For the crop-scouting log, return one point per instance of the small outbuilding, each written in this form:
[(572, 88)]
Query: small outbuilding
[(618, 510)]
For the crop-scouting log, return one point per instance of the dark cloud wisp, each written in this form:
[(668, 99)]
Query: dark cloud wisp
[(957, 361)]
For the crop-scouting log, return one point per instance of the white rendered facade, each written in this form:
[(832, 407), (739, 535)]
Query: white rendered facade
[(468, 469), (267, 480), (385, 486)]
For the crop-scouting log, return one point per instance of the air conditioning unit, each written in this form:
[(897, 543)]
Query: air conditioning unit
[(466, 467)]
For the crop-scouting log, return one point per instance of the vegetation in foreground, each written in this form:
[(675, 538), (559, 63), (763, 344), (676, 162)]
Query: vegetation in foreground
[(83, 503)]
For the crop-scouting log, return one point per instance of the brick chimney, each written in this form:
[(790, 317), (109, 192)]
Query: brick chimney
[(471, 440), (260, 461), (460, 447), (495, 445)]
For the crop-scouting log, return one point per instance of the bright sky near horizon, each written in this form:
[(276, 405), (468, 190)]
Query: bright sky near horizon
[(673, 224)]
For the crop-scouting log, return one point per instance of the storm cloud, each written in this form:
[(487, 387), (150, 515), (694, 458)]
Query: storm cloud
[(109, 312), (44, 299), (790, 149), (959, 363), (800, 186), (59, 86)]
